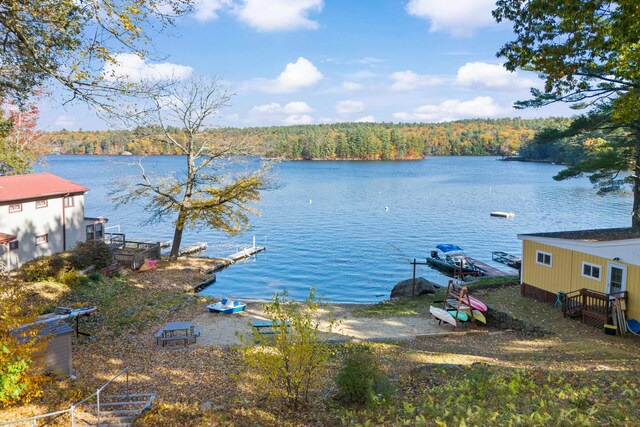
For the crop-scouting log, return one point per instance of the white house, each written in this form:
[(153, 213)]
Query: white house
[(42, 214)]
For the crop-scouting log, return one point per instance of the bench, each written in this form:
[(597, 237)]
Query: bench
[(267, 326), (184, 338), (195, 334)]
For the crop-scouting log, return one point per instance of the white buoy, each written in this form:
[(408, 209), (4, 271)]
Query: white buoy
[(386, 208), (309, 201)]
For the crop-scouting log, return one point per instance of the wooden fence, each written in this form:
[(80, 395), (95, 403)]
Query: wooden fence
[(133, 254)]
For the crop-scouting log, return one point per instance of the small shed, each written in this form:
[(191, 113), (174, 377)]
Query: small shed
[(56, 357)]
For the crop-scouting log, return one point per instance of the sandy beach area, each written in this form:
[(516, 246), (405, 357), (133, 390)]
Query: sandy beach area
[(223, 329)]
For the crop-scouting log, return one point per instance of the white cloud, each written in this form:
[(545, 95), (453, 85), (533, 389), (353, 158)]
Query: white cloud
[(297, 107), (491, 76), (366, 119), (369, 60), (408, 80), (278, 15), (296, 75), (131, 67), (453, 109), (65, 122), (207, 10), (292, 113), (455, 17), (349, 107), (352, 86), (298, 119)]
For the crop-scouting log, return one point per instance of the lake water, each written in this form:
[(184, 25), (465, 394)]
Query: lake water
[(350, 229)]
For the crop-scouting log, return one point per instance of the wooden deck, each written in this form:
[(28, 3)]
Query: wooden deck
[(246, 253), (490, 271)]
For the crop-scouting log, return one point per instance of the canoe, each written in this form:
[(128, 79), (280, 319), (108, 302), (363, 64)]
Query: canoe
[(226, 306), (442, 315), (460, 315), (479, 316)]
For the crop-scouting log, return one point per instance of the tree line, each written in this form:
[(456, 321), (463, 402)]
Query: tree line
[(341, 141)]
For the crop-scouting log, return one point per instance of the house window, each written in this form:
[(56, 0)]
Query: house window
[(42, 239), (90, 233), (591, 271), (15, 208), (14, 245), (543, 258), (41, 204), (68, 202), (99, 232)]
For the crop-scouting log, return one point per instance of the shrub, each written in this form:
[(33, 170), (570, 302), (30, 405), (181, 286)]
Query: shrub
[(44, 267), (360, 380), (292, 363), (91, 252), (70, 277), (19, 377)]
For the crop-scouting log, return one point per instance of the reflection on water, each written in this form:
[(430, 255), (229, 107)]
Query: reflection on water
[(367, 220)]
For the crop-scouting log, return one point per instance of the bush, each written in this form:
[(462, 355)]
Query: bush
[(70, 277), (360, 380), (91, 252), (19, 377), (292, 363), (44, 267)]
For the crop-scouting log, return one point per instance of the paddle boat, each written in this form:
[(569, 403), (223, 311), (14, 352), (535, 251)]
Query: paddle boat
[(451, 259), (226, 306)]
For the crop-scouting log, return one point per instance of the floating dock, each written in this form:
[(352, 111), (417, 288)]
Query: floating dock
[(245, 253), (503, 214), (507, 259), (195, 248), (490, 271)]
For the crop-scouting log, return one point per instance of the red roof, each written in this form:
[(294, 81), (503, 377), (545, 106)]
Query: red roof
[(36, 185), (6, 238)]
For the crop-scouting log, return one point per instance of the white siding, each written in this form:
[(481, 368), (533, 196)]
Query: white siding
[(50, 220)]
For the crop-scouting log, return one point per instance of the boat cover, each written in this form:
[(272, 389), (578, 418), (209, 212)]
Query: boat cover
[(448, 247)]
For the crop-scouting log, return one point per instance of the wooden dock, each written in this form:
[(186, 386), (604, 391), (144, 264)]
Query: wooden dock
[(197, 247), (246, 253), (490, 271)]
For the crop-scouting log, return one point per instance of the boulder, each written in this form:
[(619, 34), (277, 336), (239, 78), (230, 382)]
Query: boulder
[(405, 288)]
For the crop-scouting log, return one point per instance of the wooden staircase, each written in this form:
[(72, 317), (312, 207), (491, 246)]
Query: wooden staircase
[(119, 410)]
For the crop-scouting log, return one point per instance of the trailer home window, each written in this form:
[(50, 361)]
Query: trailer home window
[(543, 258), (591, 271)]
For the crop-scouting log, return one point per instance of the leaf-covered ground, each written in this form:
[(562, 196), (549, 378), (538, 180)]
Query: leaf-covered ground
[(574, 375)]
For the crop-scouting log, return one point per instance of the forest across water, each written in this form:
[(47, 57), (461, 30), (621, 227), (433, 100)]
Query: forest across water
[(340, 141)]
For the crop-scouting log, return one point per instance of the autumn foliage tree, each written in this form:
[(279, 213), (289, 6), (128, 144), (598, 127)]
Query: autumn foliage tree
[(212, 191), (20, 141), (588, 54)]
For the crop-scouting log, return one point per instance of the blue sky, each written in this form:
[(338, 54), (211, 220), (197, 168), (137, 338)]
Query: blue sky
[(325, 61)]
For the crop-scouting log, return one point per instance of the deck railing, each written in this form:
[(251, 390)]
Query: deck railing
[(593, 307), (72, 411), (133, 254)]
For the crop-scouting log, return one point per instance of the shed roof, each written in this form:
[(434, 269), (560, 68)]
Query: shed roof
[(596, 235), (6, 238), (36, 185)]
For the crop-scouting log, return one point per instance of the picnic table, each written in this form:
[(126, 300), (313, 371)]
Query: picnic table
[(267, 326), (184, 332)]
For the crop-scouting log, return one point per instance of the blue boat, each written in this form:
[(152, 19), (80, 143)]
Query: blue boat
[(451, 260), (226, 306)]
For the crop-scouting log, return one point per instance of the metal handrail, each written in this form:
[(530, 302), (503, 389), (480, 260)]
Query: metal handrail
[(72, 408)]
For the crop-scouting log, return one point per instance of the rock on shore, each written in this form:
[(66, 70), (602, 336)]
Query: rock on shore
[(405, 288)]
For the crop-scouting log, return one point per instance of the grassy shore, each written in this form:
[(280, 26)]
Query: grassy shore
[(574, 375)]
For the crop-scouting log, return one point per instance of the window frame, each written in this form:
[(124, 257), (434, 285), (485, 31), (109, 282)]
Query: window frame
[(46, 204), (46, 239), (19, 208), (544, 254), (592, 266), (93, 232), (14, 245), (68, 205)]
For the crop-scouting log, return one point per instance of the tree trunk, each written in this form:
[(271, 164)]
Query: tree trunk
[(635, 215), (177, 239)]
